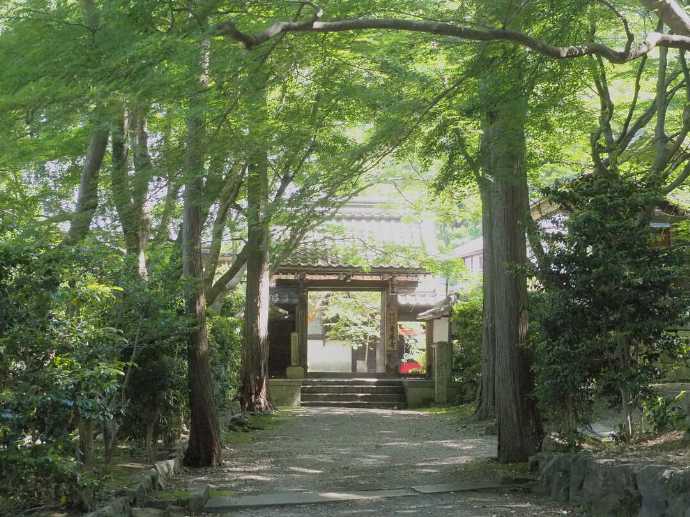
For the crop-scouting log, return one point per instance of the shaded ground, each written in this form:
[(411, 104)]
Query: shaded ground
[(321, 449), (671, 448)]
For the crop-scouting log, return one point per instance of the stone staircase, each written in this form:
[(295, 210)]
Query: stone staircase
[(353, 392)]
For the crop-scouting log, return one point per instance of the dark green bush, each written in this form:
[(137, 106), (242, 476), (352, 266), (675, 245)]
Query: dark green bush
[(466, 321), (662, 414), (608, 295), (225, 341)]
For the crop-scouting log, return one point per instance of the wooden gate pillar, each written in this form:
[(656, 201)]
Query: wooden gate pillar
[(301, 323), (391, 331)]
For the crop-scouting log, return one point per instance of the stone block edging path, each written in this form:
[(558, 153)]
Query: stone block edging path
[(605, 487), (228, 503), (151, 481)]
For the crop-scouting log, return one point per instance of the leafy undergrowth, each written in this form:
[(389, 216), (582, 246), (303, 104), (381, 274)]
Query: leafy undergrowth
[(104, 482), (669, 448)]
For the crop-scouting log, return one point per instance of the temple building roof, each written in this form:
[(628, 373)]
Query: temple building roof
[(366, 237)]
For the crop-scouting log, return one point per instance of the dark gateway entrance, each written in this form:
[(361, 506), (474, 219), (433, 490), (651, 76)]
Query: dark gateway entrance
[(300, 344)]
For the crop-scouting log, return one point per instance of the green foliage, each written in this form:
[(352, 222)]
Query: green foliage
[(75, 346), (467, 323), (151, 317), (611, 292), (42, 474), (225, 341), (662, 414), (60, 361), (352, 317)]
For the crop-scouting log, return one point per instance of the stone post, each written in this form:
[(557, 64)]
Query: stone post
[(295, 370), (443, 358)]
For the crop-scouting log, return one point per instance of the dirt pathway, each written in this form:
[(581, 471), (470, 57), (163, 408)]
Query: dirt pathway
[(322, 449)]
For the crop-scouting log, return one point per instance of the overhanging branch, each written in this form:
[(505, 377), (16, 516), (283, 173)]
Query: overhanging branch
[(629, 53)]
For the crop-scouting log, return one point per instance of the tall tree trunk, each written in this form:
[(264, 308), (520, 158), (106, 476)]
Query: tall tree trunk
[(254, 374), (143, 172), (87, 197), (486, 399), (519, 427), (129, 191), (204, 448)]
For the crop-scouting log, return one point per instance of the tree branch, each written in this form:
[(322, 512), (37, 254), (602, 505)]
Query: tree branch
[(220, 285), (227, 198), (633, 103), (671, 13), (654, 39), (680, 179)]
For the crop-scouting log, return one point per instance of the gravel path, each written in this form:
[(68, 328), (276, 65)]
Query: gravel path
[(366, 449)]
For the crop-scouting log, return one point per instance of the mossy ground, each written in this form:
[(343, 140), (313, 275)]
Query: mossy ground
[(255, 423), (460, 411)]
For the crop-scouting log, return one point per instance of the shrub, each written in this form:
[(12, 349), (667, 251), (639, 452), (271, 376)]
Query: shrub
[(609, 293), (466, 321), (662, 414), (60, 364)]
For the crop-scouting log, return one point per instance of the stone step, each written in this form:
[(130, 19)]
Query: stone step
[(365, 392), (351, 382), (350, 375), (353, 397), (358, 404), (345, 388)]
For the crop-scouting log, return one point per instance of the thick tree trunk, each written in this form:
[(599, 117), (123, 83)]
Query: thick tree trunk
[(519, 428), (87, 197), (86, 445), (254, 374), (204, 448), (486, 399)]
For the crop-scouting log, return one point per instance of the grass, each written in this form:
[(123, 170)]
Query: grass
[(459, 411), (221, 493), (489, 470), (255, 423), (172, 496)]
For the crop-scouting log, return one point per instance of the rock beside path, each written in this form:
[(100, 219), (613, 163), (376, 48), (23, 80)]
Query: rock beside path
[(605, 487)]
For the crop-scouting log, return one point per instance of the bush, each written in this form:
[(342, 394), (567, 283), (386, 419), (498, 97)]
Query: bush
[(466, 321), (661, 414), (60, 363), (225, 342), (609, 293)]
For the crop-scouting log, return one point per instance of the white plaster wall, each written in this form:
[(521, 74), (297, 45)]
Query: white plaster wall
[(328, 356), (440, 330)]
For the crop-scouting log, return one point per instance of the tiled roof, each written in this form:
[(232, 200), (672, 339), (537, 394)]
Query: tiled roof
[(440, 309), (365, 236), (334, 258), (288, 295)]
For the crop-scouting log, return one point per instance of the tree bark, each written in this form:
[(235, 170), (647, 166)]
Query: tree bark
[(519, 426), (204, 447), (630, 52), (229, 276), (672, 13), (486, 399), (87, 197), (129, 192), (254, 374)]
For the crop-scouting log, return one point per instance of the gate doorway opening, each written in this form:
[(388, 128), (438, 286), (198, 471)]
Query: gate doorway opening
[(345, 331)]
